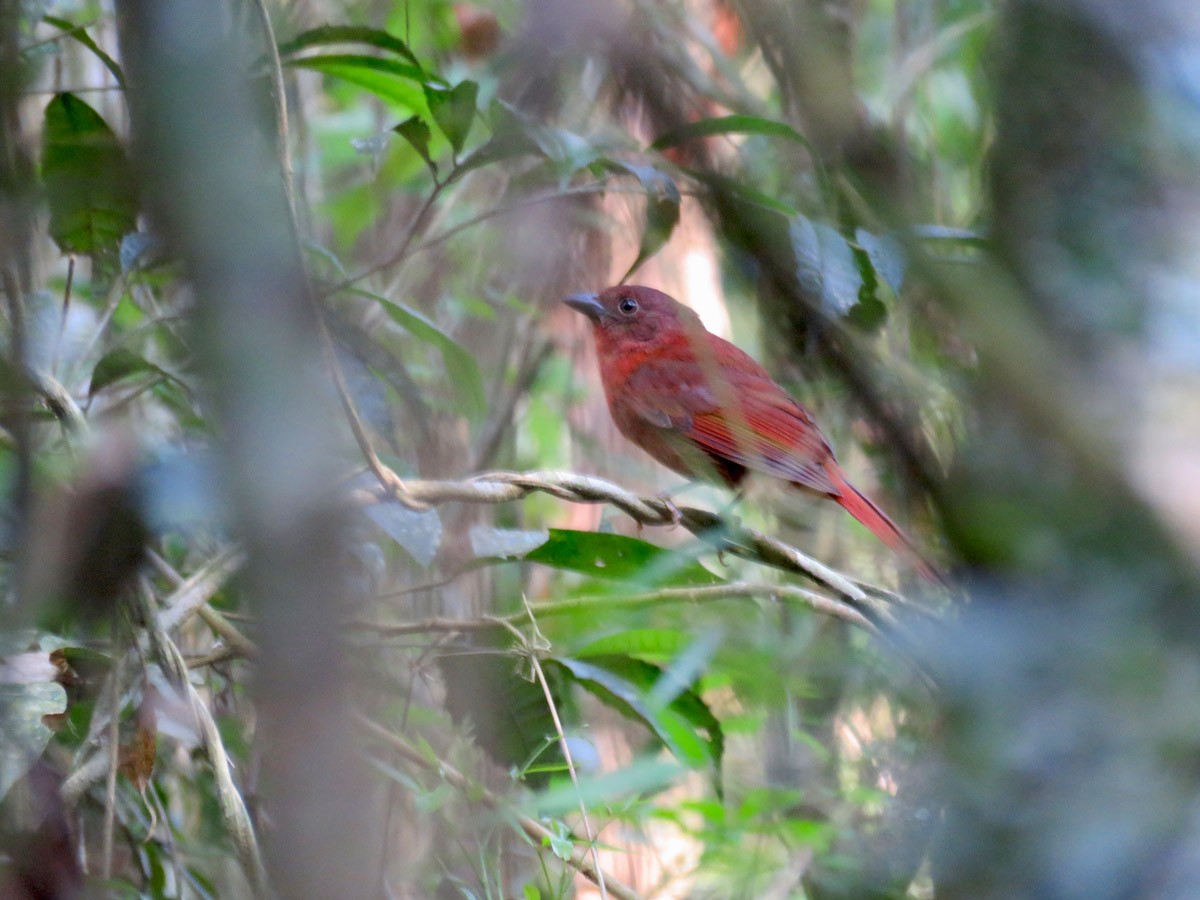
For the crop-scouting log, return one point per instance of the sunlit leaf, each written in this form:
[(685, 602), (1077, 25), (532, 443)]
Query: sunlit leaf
[(89, 184)]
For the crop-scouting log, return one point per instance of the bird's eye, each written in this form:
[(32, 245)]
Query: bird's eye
[(627, 305)]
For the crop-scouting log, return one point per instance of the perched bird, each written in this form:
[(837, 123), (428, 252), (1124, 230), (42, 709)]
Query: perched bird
[(707, 410)]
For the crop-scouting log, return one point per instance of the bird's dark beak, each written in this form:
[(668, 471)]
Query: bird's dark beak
[(588, 304)]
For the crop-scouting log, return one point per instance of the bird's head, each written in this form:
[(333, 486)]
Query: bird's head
[(630, 314)]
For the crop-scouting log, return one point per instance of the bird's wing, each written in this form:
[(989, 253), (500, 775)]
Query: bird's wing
[(746, 419)]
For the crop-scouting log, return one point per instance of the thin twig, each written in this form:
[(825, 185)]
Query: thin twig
[(66, 309), (534, 829), (591, 836)]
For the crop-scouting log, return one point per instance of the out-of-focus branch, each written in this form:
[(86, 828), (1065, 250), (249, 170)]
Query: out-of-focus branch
[(212, 182)]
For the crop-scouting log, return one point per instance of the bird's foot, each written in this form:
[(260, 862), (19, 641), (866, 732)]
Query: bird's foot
[(672, 510)]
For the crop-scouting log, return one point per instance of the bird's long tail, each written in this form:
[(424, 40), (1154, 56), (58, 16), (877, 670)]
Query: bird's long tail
[(864, 509)]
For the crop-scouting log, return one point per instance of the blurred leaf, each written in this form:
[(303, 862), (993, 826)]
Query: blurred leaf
[(417, 531), (416, 132), (454, 110), (559, 841), (825, 265), (508, 712), (639, 777), (870, 312), (79, 33), (141, 250), (348, 34), (122, 363), (568, 151), (735, 189), (729, 125), (89, 184), (625, 683), (387, 79), (616, 557), (646, 643), (662, 208), (505, 543), (886, 255), (28, 692), (460, 362)]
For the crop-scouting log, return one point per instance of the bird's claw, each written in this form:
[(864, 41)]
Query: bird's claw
[(672, 510)]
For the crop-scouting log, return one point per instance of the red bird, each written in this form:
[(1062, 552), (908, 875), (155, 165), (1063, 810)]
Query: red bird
[(707, 410)]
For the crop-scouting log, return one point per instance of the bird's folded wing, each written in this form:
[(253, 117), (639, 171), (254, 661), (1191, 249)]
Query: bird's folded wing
[(749, 421)]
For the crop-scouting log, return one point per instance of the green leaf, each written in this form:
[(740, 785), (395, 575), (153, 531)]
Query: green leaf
[(662, 207), (626, 683), (508, 713), (454, 110), (615, 557), (416, 132), (825, 265), (89, 184), (122, 363), (642, 776), (729, 125), (460, 362), (744, 194), (348, 34), (654, 644), (395, 82), (79, 33), (886, 255)]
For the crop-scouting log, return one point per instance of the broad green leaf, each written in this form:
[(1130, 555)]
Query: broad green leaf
[(615, 557), (79, 33), (825, 265), (122, 363), (654, 644), (326, 35), (395, 82), (89, 184), (416, 132), (460, 362), (729, 125), (454, 110), (507, 712), (625, 684)]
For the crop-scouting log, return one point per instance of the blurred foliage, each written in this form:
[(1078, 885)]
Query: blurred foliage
[(455, 169)]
